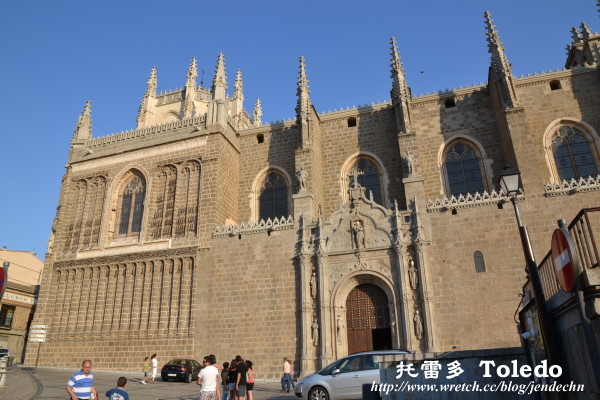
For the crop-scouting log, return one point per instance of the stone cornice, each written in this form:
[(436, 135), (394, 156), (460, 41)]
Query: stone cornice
[(131, 257), (445, 94), (354, 111), (139, 154), (545, 77), (156, 130)]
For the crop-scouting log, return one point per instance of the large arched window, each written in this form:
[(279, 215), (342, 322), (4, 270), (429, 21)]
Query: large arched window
[(573, 152), (368, 175), (463, 169), (273, 197), (131, 205)]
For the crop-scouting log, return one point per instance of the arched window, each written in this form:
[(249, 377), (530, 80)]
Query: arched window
[(463, 169), (369, 176), (131, 205), (572, 152), (273, 198)]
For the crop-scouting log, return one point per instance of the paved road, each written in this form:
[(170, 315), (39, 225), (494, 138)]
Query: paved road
[(49, 384)]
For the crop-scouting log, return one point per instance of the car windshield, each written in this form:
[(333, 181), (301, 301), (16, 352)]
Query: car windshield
[(329, 369), (177, 362)]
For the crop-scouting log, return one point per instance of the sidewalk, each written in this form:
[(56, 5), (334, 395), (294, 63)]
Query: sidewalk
[(49, 384)]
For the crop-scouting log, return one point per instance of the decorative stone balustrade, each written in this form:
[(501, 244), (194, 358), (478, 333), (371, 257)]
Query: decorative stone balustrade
[(155, 130), (246, 228), (572, 186), (468, 201)]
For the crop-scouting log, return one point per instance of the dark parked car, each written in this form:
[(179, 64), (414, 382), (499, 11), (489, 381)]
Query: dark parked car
[(181, 369)]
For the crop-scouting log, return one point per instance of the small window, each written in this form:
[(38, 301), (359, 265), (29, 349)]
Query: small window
[(479, 261), (351, 122), (555, 85), (260, 138), (6, 316), (449, 103)]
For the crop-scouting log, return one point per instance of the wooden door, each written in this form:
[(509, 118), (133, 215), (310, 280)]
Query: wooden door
[(367, 312)]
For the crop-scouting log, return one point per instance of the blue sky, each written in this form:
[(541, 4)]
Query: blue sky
[(56, 55)]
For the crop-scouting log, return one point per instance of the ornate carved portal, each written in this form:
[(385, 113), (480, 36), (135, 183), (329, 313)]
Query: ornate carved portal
[(368, 319)]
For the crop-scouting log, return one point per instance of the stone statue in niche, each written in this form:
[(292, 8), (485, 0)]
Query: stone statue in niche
[(418, 322), (315, 333), (340, 328), (409, 159), (358, 234), (301, 176), (313, 285), (413, 274)]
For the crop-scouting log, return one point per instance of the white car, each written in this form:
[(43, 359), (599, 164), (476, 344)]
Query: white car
[(344, 378)]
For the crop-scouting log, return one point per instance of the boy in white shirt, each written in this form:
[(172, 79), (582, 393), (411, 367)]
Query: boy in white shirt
[(209, 378)]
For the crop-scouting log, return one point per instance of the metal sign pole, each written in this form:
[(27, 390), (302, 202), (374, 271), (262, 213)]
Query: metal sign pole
[(37, 358)]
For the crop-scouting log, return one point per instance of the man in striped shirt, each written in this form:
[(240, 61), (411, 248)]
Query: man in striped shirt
[(81, 384)]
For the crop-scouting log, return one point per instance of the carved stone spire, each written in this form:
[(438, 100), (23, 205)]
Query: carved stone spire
[(152, 83), (400, 92), (190, 89), (238, 89), (500, 67), (303, 91), (399, 87), (575, 35), (257, 113), (148, 104), (500, 63), (237, 103), (303, 106), (583, 50), (586, 33), (83, 130), (219, 85)]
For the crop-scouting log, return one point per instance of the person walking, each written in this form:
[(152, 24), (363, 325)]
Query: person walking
[(286, 381), (146, 370), (154, 361), (224, 379), (81, 384), (119, 392), (209, 380), (250, 383)]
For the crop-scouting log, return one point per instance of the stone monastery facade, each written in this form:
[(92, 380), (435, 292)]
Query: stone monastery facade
[(206, 231)]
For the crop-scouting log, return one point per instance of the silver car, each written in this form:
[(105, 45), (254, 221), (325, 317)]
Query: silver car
[(344, 378)]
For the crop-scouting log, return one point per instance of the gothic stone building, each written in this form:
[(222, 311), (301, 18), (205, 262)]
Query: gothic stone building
[(206, 231)]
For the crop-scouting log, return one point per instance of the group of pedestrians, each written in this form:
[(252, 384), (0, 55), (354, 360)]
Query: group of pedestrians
[(237, 379), (234, 381), (81, 385)]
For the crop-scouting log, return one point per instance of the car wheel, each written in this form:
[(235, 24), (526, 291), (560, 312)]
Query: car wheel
[(318, 393), (188, 378)]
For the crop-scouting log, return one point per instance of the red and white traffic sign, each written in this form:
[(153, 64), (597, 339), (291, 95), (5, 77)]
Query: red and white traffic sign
[(3, 280), (566, 259)]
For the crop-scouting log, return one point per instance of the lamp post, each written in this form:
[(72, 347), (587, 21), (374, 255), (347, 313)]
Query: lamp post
[(510, 182)]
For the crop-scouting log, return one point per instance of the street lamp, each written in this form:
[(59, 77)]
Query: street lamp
[(510, 183)]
